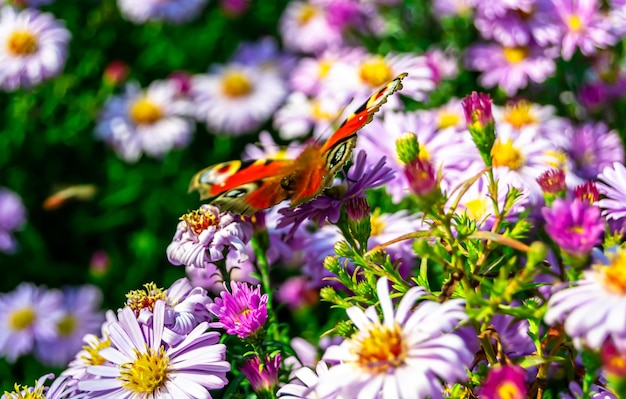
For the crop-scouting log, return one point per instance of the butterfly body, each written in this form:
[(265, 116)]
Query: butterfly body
[(246, 187)]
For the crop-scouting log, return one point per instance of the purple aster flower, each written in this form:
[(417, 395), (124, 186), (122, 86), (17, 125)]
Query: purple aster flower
[(236, 98), (611, 185), (81, 316), (264, 53), (575, 226), (519, 27), (508, 381), (592, 148), (326, 207), (61, 388), (173, 11), (141, 365), (305, 27), (151, 121), (583, 27), (33, 47), (594, 308), (405, 354), (444, 65), (241, 312), (185, 307), (510, 67), (595, 392), (27, 315), (12, 217), (203, 236), (262, 377)]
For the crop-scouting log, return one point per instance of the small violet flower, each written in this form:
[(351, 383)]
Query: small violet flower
[(262, 377)]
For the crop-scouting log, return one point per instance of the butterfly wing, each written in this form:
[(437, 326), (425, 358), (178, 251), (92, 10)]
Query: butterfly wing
[(364, 114), (322, 165), (242, 187)]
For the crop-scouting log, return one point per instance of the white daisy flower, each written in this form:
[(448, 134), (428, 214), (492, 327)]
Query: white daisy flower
[(33, 47), (236, 98), (150, 121), (403, 355)]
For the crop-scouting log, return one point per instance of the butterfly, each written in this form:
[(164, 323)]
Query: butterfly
[(245, 187)]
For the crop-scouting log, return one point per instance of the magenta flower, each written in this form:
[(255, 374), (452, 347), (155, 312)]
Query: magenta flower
[(575, 226), (507, 381), (12, 218), (241, 312), (205, 236), (477, 109), (583, 26), (262, 377), (421, 176)]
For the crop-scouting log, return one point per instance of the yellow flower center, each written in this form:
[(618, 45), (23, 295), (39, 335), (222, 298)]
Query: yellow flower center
[(378, 225), (21, 319), (424, 155), (146, 298), (67, 325), (147, 373), (520, 115), (200, 220), (236, 84), (318, 113), (515, 55), (94, 358), (505, 154), (614, 275), (145, 112), (23, 392), (324, 68), (307, 12), (375, 72), (575, 24), (448, 119), (508, 390), (22, 42), (383, 348), (476, 209)]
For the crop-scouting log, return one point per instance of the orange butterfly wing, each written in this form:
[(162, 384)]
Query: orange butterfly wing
[(247, 187)]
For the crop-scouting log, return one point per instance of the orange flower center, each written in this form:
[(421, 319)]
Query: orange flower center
[(200, 220), (22, 42), (614, 275), (146, 298), (382, 349)]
